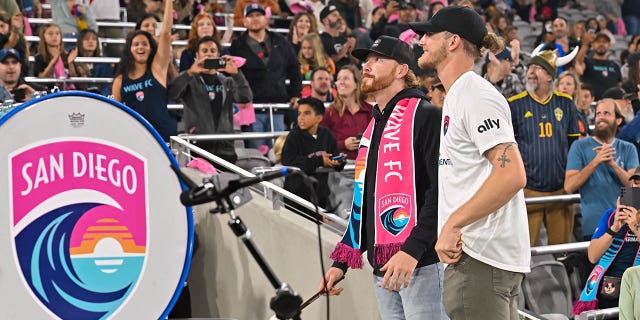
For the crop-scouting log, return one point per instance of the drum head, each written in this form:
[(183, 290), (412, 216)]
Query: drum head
[(93, 226)]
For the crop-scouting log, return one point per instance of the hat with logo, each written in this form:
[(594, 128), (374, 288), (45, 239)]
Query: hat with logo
[(327, 10), (636, 174), (604, 35), (458, 20), (253, 7), (9, 52), (389, 47)]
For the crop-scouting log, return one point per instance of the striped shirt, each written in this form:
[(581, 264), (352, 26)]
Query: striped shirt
[(542, 130)]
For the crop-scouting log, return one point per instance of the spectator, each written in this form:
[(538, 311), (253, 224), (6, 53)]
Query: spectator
[(499, 73), (88, 47), (623, 100), (587, 106), (610, 12), (592, 25), (406, 11), (602, 26), (321, 80), (348, 116), (569, 84), (303, 24), (308, 147), (336, 44), (72, 17), (201, 26), (364, 40), (613, 248), (11, 38), (631, 15), (599, 72), (10, 7), (350, 10), (436, 94), (499, 23), (578, 29), (141, 78), (208, 97), (313, 56), (633, 75), (562, 42), (13, 85), (241, 6), (631, 132), (434, 7), (150, 23), (599, 165), (407, 274), (135, 10), (52, 61), (544, 119), (270, 62)]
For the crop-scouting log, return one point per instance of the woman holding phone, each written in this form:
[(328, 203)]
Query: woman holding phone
[(141, 79)]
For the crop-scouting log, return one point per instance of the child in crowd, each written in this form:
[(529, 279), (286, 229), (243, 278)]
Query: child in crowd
[(310, 147), (52, 61), (88, 47)]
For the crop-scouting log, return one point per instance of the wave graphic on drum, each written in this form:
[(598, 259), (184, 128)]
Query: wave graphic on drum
[(86, 282)]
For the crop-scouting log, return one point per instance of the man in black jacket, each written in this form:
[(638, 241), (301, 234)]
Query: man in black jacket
[(271, 61), (208, 97), (394, 213)]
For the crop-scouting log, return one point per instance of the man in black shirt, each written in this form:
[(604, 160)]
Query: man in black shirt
[(599, 72)]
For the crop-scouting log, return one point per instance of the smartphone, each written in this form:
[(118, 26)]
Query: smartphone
[(158, 28), (215, 63), (19, 94), (359, 136), (630, 196), (339, 157)]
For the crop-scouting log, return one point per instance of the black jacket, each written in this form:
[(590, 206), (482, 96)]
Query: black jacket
[(267, 81), (198, 114), (304, 151), (421, 242), (383, 27)]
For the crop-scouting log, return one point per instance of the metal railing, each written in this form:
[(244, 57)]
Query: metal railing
[(181, 148)]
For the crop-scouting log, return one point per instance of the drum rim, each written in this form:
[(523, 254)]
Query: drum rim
[(172, 159)]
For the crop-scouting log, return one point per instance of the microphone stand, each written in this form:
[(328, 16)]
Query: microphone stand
[(286, 303)]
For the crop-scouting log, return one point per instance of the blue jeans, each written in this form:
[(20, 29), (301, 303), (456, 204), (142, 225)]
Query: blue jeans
[(632, 23), (263, 124), (422, 299)]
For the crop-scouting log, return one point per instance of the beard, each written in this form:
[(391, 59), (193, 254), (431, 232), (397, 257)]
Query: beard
[(372, 84), (433, 59), (336, 24), (604, 133)]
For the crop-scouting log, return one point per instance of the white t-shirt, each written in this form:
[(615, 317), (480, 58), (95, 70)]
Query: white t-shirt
[(476, 118)]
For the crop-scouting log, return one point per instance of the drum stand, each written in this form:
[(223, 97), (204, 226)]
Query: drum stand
[(286, 303)]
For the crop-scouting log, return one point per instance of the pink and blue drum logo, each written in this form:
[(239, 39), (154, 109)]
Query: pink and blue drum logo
[(79, 225)]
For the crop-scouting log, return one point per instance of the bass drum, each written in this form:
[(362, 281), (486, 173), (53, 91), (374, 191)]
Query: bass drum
[(94, 228)]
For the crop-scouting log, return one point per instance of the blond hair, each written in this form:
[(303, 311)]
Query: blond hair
[(339, 104), (577, 96), (277, 148)]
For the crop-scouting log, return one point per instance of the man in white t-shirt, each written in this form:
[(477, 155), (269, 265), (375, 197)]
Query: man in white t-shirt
[(482, 219)]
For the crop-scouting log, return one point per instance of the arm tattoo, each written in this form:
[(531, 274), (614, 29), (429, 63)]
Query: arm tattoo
[(503, 158)]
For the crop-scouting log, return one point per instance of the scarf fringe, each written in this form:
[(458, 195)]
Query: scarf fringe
[(346, 254), (581, 306), (383, 252)]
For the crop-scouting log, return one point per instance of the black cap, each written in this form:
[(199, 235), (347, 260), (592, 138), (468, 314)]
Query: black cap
[(253, 7), (635, 175), (389, 47), (458, 20), (616, 93), (327, 11)]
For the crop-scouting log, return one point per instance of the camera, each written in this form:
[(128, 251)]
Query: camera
[(630, 196), (214, 63), (359, 136)]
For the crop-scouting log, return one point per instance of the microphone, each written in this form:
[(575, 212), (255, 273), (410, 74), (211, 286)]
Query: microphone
[(207, 192), (235, 185)]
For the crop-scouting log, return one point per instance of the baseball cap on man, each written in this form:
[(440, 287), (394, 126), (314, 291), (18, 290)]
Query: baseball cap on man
[(389, 47), (458, 20), (253, 7), (9, 52), (635, 175), (616, 93), (327, 10)]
